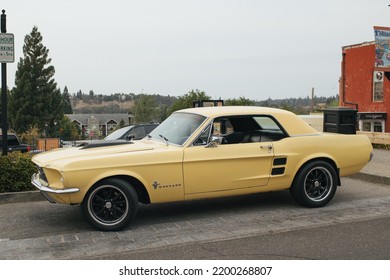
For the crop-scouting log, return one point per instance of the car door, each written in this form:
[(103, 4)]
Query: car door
[(228, 166)]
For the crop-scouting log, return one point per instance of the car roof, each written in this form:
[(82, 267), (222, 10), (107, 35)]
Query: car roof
[(290, 121), (146, 124), (233, 110)]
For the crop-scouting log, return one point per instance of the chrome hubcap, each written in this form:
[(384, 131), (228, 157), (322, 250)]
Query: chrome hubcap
[(108, 205), (318, 183)]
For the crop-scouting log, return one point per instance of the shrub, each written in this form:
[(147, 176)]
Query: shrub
[(16, 170)]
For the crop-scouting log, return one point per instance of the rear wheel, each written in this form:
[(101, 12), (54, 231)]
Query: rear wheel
[(110, 205), (315, 184)]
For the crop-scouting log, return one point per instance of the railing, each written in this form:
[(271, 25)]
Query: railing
[(377, 137)]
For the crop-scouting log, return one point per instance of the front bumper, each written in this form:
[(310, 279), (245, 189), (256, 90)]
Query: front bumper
[(46, 189)]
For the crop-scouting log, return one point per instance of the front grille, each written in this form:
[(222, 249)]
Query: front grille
[(42, 175)]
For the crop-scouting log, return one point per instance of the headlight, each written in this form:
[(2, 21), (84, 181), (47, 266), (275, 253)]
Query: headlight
[(54, 178)]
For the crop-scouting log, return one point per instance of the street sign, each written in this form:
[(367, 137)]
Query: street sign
[(7, 53)]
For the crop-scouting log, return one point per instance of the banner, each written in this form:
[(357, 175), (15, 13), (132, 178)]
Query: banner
[(382, 46)]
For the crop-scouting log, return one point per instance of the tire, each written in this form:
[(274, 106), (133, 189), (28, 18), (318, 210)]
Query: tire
[(110, 205), (315, 184)]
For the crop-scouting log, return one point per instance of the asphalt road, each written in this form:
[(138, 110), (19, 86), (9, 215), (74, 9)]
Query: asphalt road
[(355, 225)]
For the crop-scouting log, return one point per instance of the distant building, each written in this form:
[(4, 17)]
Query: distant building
[(365, 86), (99, 125)]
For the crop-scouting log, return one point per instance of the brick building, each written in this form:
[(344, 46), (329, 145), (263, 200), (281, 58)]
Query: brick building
[(365, 86)]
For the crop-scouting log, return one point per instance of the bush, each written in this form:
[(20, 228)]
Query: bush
[(381, 146), (16, 170)]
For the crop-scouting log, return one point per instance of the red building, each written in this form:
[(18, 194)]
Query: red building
[(365, 86)]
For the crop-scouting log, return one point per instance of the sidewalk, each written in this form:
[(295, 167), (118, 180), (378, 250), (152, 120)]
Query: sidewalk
[(377, 171)]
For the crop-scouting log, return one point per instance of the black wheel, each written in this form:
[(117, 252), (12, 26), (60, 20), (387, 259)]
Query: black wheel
[(315, 184), (110, 205)]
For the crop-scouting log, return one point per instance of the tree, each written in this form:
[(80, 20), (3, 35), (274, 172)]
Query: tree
[(163, 112), (67, 130), (1, 107), (145, 109), (121, 124), (242, 101), (185, 101), (66, 101), (79, 94), (35, 100)]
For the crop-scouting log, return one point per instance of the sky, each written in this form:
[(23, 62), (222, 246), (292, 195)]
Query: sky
[(255, 49)]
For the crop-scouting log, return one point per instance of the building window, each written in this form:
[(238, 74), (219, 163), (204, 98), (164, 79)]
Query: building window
[(378, 86), (111, 126), (367, 126), (372, 126), (378, 127)]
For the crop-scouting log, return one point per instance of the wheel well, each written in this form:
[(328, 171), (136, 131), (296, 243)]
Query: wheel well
[(328, 160), (142, 193)]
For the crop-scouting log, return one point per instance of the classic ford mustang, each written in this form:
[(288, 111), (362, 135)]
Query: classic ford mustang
[(201, 153)]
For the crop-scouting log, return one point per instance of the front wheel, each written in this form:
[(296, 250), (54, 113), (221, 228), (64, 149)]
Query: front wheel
[(110, 205), (315, 184)]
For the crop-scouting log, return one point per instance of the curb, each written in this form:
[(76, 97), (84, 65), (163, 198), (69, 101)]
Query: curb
[(17, 197), (375, 179)]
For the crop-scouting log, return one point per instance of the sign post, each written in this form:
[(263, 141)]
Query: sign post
[(6, 56)]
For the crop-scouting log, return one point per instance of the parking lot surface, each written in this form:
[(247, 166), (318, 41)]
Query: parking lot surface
[(355, 225)]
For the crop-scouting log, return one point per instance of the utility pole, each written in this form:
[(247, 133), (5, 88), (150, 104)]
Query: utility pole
[(4, 118), (6, 56), (312, 100)]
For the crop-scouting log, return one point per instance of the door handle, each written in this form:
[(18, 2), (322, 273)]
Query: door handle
[(266, 147)]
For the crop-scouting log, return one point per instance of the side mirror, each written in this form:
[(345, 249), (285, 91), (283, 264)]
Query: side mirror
[(215, 141), (130, 137)]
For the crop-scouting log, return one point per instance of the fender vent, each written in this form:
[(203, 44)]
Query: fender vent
[(277, 171), (280, 161)]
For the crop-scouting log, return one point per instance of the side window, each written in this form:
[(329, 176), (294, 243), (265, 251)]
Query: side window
[(241, 129), (139, 132), (12, 140), (222, 126), (266, 123), (203, 138), (149, 128)]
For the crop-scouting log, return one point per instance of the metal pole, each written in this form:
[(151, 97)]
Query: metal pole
[(4, 93)]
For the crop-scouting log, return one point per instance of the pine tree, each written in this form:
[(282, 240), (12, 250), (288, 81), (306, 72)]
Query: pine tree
[(35, 100), (66, 101)]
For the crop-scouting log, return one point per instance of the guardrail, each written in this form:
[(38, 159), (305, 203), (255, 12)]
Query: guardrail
[(377, 137)]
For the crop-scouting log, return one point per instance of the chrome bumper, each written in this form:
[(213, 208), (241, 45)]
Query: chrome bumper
[(371, 156), (47, 189)]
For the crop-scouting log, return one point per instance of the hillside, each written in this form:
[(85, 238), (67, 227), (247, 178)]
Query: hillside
[(110, 104), (81, 107), (123, 103)]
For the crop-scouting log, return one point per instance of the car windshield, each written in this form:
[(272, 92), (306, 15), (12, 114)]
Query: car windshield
[(117, 134), (177, 128)]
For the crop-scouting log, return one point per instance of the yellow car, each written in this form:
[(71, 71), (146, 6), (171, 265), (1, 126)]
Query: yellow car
[(201, 153)]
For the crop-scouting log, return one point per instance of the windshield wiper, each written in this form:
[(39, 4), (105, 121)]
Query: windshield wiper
[(165, 138)]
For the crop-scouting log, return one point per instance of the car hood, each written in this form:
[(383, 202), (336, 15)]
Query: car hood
[(94, 150)]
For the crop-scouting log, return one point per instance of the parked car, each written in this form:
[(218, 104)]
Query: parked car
[(201, 153), (14, 144), (132, 132)]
